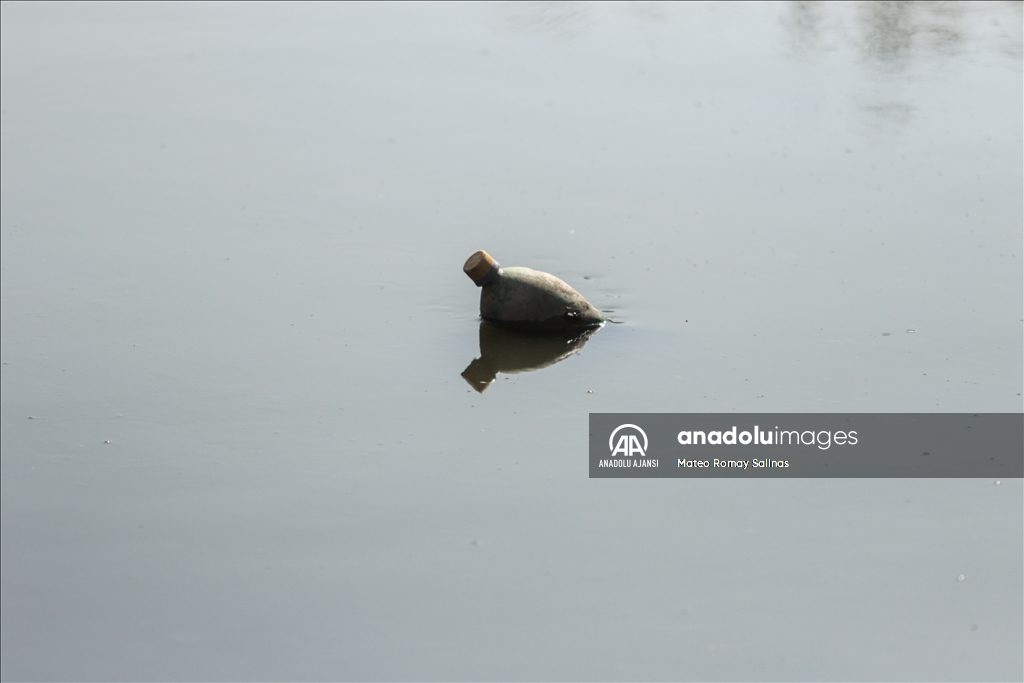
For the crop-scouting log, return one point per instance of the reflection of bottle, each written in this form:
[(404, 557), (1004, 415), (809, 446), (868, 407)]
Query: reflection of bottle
[(510, 351), (527, 299)]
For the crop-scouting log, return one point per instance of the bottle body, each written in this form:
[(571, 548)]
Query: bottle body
[(527, 299)]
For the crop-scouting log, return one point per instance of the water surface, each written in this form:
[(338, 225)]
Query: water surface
[(236, 439)]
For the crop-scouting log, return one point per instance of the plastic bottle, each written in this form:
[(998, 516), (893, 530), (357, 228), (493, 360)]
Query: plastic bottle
[(527, 299)]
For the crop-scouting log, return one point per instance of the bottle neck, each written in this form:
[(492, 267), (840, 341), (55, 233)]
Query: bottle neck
[(489, 277)]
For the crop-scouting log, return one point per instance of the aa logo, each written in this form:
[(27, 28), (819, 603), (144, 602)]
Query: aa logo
[(628, 443)]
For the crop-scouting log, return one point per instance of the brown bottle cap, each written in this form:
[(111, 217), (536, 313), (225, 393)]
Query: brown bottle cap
[(481, 268)]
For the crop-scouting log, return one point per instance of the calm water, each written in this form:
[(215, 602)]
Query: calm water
[(236, 438)]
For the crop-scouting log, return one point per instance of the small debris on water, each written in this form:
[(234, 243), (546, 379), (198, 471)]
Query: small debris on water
[(911, 331), (998, 482), (106, 441), (885, 334), (960, 578), (590, 391)]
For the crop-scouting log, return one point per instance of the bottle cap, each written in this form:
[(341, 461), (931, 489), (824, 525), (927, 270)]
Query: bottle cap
[(481, 268)]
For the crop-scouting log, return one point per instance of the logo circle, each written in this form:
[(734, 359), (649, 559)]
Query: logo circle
[(611, 439)]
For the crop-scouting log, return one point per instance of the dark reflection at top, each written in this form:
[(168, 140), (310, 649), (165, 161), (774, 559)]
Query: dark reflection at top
[(804, 25), (893, 31), (512, 352), (890, 35), (895, 38)]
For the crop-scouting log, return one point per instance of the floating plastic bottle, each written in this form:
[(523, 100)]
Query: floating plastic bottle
[(527, 299)]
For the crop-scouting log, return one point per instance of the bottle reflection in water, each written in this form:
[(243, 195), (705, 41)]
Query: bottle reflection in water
[(511, 352)]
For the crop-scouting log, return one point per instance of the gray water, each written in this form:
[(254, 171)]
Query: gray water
[(236, 442)]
